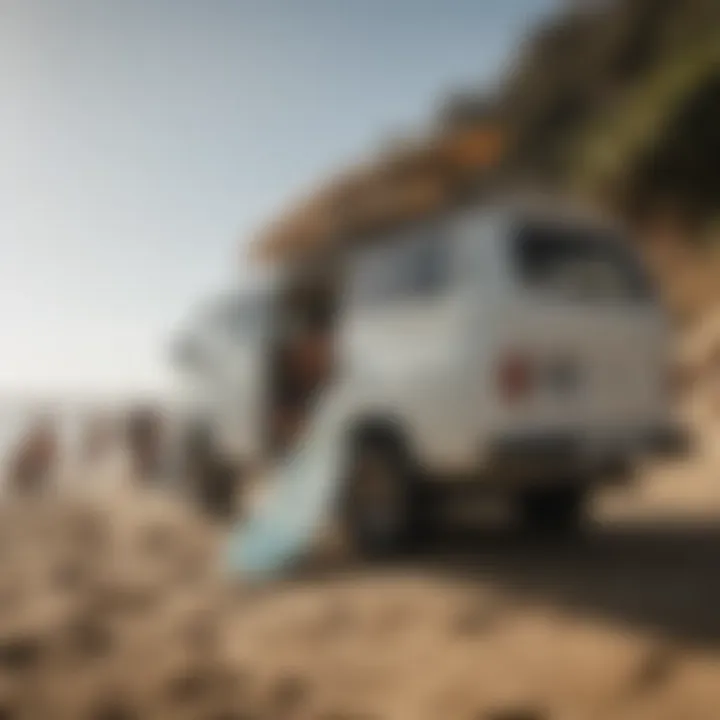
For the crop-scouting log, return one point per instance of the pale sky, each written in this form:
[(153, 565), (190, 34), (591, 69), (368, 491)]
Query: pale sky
[(142, 140)]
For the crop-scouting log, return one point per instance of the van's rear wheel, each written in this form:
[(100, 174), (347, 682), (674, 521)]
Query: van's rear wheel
[(553, 512), (378, 508)]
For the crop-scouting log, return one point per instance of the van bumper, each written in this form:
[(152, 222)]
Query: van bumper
[(543, 455)]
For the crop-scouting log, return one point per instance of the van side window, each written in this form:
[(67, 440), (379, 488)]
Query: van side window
[(432, 262), (474, 236), (411, 264)]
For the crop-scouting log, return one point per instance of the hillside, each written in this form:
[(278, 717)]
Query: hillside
[(625, 103), (620, 103)]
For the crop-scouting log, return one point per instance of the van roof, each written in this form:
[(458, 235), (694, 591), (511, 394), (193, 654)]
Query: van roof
[(539, 206), (530, 207)]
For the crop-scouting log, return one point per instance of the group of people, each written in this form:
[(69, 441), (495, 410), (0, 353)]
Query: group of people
[(34, 463), (143, 438)]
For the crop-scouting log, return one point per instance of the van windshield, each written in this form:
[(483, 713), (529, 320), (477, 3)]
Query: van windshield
[(578, 263)]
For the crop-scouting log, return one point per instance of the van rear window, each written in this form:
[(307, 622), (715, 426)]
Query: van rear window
[(579, 264)]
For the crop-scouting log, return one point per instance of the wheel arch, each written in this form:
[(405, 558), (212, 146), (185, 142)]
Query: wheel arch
[(382, 428)]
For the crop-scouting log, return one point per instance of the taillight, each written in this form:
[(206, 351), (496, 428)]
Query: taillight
[(515, 377)]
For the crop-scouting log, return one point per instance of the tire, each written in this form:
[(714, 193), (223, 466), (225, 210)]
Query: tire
[(378, 510), (553, 513)]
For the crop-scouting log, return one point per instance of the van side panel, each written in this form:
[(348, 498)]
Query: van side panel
[(424, 360), (404, 362)]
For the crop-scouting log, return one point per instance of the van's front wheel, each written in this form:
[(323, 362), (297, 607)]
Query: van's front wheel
[(378, 506)]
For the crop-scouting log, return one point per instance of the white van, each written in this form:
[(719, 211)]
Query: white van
[(496, 349), (505, 349)]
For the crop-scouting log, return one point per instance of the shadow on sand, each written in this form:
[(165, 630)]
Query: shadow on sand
[(661, 577), (658, 576)]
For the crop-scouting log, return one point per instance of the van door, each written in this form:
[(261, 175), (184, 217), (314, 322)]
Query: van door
[(401, 338)]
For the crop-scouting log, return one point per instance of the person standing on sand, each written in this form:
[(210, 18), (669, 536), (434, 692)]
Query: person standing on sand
[(35, 459)]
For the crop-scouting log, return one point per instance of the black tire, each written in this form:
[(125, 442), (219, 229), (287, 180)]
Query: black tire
[(553, 513), (379, 506)]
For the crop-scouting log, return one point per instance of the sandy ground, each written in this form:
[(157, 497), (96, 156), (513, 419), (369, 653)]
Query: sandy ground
[(112, 608)]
